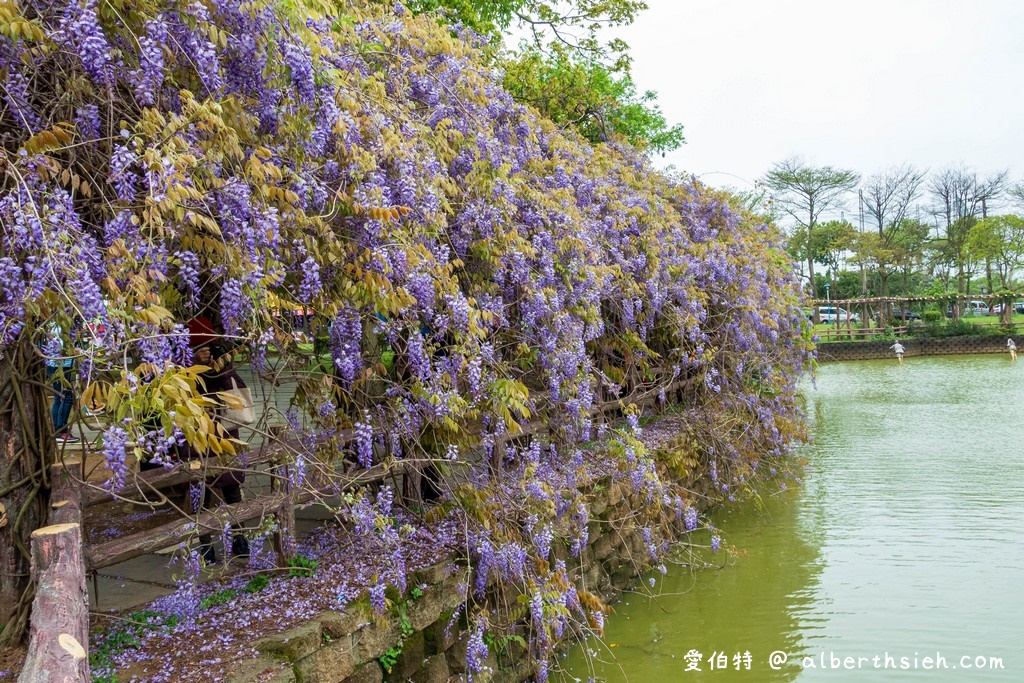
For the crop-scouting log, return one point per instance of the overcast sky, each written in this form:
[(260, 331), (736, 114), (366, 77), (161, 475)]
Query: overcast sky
[(862, 85)]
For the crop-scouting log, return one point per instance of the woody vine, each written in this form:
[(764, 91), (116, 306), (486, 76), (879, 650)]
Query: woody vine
[(466, 268)]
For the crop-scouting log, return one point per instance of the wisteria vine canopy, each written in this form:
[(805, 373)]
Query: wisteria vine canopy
[(468, 266)]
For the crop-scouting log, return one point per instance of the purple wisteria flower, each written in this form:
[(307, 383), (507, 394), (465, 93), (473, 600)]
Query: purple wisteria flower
[(115, 455), (690, 518), (150, 75), (377, 599), (122, 176), (476, 649), (310, 286), (87, 118), (364, 441), (16, 95), (81, 28), (300, 62)]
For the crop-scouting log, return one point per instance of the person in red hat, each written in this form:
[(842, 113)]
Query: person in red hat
[(221, 377)]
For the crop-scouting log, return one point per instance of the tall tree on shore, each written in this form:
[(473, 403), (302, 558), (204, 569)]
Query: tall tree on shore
[(805, 192), (831, 240), (888, 197), (961, 198), (1000, 241)]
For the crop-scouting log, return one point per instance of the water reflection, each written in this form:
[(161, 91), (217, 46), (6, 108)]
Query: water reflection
[(904, 541), (757, 603)]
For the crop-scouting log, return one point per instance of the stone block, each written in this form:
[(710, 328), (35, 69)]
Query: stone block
[(622, 577), (330, 664), (262, 670), (373, 640), (435, 670), (452, 594), (425, 609), (456, 655), (560, 551), (293, 644), (612, 564), (409, 661), (431, 575), (438, 637), (367, 673), (638, 549), (603, 547), (615, 493), (513, 674), (592, 577), (624, 524), (338, 624), (457, 665)]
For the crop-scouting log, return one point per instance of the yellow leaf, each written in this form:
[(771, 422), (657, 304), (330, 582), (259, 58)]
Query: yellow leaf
[(231, 400)]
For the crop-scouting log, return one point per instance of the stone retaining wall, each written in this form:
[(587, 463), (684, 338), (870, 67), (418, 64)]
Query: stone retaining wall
[(347, 646), (915, 346)]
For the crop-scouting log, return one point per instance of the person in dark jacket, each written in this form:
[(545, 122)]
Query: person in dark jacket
[(227, 487), (220, 377)]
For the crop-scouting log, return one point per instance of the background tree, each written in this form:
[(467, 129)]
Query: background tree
[(590, 97), (960, 198), (573, 24), (805, 192), (1016, 194), (831, 240), (757, 201), (999, 240), (906, 242), (888, 197)]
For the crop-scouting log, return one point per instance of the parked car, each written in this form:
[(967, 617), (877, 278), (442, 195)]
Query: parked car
[(832, 314), (1018, 307), (970, 308), (904, 314), (976, 308)]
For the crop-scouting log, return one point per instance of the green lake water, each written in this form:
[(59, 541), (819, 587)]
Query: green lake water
[(904, 540)]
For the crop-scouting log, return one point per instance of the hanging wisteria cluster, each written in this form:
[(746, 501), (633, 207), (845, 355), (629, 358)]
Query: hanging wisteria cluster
[(468, 268)]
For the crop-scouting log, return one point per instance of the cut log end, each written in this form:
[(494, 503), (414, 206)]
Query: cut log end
[(72, 646), (53, 529)]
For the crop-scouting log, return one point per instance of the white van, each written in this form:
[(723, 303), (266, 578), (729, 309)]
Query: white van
[(976, 308), (832, 314)]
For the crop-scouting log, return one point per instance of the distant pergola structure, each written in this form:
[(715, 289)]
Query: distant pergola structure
[(955, 301)]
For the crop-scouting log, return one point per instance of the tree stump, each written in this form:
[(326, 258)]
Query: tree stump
[(59, 629), (66, 493)]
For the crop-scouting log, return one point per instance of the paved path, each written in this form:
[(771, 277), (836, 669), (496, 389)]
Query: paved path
[(132, 584)]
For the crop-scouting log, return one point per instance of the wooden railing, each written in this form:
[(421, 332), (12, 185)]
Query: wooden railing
[(842, 333), (834, 333)]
